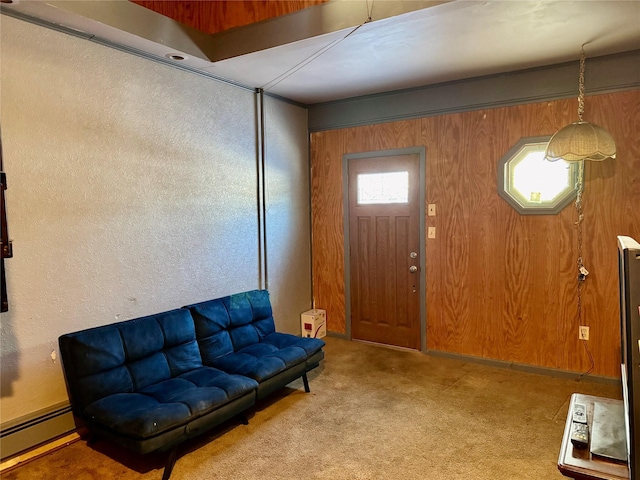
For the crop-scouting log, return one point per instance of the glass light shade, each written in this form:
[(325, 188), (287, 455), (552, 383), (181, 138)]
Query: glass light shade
[(581, 141)]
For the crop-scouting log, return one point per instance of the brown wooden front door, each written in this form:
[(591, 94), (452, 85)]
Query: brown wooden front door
[(384, 250)]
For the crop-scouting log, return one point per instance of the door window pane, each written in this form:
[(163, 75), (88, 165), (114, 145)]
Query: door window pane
[(386, 187)]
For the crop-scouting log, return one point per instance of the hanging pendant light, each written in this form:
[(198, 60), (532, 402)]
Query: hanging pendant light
[(581, 140), (578, 142)]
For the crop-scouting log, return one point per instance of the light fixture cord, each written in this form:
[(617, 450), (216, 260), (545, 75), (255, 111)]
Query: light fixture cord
[(582, 272), (581, 87), (581, 276)]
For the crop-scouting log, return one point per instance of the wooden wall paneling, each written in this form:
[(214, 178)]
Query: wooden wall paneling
[(547, 274), (570, 353), (560, 298), (607, 195), (485, 274), (469, 164), (600, 297), (600, 290), (180, 11), (217, 15), (555, 272), (327, 227), (284, 7), (502, 285), (385, 136), (518, 280), (516, 248), (531, 269), (432, 138), (451, 236), (488, 237), (542, 331)]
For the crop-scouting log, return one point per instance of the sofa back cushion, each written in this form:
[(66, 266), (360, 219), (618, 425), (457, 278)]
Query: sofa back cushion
[(226, 325), (242, 332), (128, 356), (262, 312), (212, 323)]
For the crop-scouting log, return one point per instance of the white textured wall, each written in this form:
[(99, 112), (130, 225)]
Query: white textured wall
[(132, 190), (288, 218)]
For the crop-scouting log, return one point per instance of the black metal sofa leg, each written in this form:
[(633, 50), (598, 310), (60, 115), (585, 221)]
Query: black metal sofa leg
[(92, 439), (243, 419), (171, 461), (305, 380)]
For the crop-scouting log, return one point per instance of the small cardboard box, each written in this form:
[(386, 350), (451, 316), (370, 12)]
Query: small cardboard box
[(313, 323)]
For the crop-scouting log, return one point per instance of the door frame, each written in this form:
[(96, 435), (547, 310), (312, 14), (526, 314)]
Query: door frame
[(421, 152)]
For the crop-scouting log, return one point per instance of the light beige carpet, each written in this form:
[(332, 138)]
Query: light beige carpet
[(373, 413)]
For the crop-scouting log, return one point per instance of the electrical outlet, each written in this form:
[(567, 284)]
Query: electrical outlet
[(583, 334)]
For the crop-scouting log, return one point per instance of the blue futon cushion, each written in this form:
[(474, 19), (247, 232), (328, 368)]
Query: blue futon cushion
[(237, 334), (168, 404), (145, 376)]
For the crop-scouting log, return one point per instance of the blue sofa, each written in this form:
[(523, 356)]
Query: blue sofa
[(151, 383)]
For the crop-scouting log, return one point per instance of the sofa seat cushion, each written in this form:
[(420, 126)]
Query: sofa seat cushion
[(284, 340), (261, 361), (136, 415), (168, 404)]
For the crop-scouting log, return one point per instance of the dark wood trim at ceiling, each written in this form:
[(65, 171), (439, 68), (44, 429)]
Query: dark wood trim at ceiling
[(217, 16)]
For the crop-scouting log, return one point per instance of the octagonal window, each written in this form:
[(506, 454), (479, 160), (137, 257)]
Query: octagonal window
[(533, 185)]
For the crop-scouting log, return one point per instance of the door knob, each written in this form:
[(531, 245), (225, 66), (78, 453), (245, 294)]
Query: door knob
[(413, 255), (413, 269)]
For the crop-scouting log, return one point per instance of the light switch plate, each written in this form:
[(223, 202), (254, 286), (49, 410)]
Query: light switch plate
[(431, 232), (431, 210)]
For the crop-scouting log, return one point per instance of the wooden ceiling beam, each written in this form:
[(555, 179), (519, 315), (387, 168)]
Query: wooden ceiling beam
[(215, 16)]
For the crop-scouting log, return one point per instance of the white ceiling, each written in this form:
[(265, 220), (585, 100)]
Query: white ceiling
[(446, 42)]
